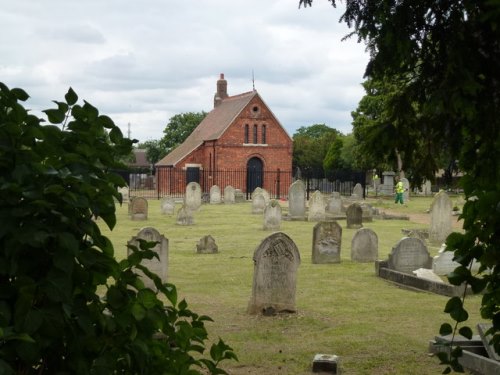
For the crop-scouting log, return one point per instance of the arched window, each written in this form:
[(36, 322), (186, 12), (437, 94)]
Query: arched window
[(246, 133), (255, 133), (264, 141)]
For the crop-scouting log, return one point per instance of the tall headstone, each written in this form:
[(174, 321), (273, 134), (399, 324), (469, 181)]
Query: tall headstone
[(185, 216), (258, 203), (215, 196), (316, 207), (354, 215), (334, 205), (167, 206), (387, 187), (297, 200), (427, 188), (139, 209), (441, 224), (272, 216), (364, 246), (357, 192), (160, 267), (264, 192), (192, 198), (229, 196), (406, 186), (276, 261), (207, 245), (327, 241), (409, 255)]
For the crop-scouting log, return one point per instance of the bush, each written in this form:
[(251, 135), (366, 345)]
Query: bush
[(67, 306)]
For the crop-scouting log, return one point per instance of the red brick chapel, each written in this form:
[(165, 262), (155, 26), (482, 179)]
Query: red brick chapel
[(239, 143)]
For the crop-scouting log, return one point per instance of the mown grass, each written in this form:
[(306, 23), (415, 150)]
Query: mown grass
[(373, 326)]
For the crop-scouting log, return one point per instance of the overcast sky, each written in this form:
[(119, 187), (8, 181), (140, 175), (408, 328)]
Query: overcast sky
[(142, 62)]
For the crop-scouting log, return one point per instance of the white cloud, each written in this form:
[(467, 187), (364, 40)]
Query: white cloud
[(143, 62)]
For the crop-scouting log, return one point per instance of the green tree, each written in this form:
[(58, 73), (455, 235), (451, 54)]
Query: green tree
[(67, 306), (154, 151), (179, 128), (310, 146), (449, 53)]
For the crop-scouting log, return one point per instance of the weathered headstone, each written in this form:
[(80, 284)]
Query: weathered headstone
[(427, 188), (167, 206), (229, 195), (443, 263), (258, 203), (441, 225), (139, 208), (387, 187), (327, 241), (357, 192), (207, 245), (124, 191), (215, 196), (408, 255), (276, 261), (239, 197), (354, 215), (259, 190), (192, 199), (185, 216), (297, 200), (364, 246), (272, 216), (316, 207), (160, 267), (334, 205)]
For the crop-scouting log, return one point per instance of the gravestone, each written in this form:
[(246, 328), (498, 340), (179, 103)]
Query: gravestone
[(427, 188), (160, 267), (408, 255), (265, 194), (443, 263), (354, 215), (167, 206), (297, 200), (185, 216), (207, 245), (272, 216), (387, 187), (357, 192), (192, 199), (276, 261), (364, 246), (215, 197), (229, 197), (334, 205), (139, 209), (239, 197), (258, 203), (406, 186), (327, 241), (124, 191), (316, 207), (441, 225)]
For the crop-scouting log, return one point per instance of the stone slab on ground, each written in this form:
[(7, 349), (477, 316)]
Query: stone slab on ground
[(326, 364)]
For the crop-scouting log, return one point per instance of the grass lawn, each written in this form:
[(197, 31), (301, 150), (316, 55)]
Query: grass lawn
[(374, 326)]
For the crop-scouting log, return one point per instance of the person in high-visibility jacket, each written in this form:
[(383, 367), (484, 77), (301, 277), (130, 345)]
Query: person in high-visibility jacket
[(399, 191)]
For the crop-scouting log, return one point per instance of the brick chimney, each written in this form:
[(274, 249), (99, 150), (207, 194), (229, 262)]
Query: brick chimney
[(221, 93)]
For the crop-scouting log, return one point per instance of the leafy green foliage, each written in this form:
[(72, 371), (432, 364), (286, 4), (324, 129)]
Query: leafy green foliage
[(179, 128), (154, 151), (66, 304)]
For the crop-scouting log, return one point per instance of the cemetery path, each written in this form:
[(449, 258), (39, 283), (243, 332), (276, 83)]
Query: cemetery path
[(423, 218)]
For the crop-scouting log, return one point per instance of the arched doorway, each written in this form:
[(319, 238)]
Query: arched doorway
[(255, 174)]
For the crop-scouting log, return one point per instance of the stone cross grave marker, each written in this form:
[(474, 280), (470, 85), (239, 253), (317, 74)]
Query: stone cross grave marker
[(167, 206), (229, 195), (160, 267), (139, 208), (408, 255), (354, 215), (192, 199), (441, 225), (316, 207), (297, 200), (215, 196), (327, 241), (276, 261), (272, 216), (364, 246)]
